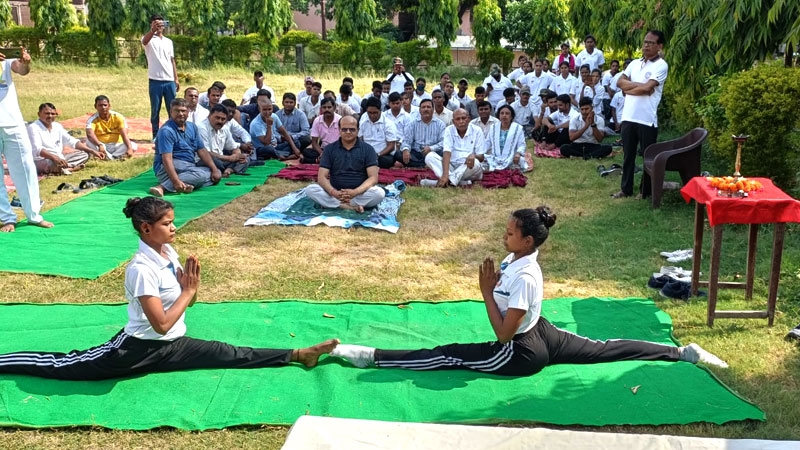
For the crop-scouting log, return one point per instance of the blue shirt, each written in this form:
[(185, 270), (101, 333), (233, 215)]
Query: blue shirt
[(182, 144), (259, 128), (296, 123)]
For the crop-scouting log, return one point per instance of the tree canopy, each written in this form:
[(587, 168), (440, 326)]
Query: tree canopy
[(355, 19)]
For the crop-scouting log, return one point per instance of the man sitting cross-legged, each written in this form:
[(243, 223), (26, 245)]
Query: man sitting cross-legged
[(178, 143), (423, 135), (107, 131), (48, 139), (348, 172), (265, 130), (324, 131), (463, 145), (218, 140), (586, 133), (557, 123)]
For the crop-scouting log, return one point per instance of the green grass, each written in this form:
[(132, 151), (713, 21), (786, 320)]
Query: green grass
[(599, 247)]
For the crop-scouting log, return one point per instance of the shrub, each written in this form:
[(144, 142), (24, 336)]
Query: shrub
[(413, 52), (27, 37), (77, 45), (495, 55), (763, 103)]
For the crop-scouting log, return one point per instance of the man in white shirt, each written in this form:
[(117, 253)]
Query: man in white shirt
[(462, 154), (461, 96), (251, 92), (218, 140), (217, 90), (419, 92), (495, 84), (524, 110), (48, 139), (399, 77), (585, 134), (590, 55), (547, 106), (308, 84), (310, 104), (451, 102), (346, 97), (485, 119), (439, 110), (396, 115), (617, 106), (611, 78), (517, 73), (197, 112), (377, 92), (558, 123), (161, 71), (379, 132), (643, 83)]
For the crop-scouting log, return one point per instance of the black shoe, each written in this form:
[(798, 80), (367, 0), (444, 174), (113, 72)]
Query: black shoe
[(658, 283), (680, 290), (793, 335), (600, 169), (110, 180), (256, 163)]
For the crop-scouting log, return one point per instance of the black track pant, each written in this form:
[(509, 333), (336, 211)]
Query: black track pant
[(635, 139), (527, 353), (125, 356)]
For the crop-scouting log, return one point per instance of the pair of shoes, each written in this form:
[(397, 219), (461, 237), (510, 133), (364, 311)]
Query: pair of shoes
[(612, 169), (428, 183), (678, 255), (680, 290), (156, 191), (793, 335), (677, 273), (658, 281), (620, 194), (694, 354)]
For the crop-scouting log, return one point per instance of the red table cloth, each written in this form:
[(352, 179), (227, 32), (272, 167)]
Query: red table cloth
[(769, 205)]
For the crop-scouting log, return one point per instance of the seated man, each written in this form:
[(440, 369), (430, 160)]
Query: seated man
[(524, 110), (440, 110), (348, 172), (251, 109), (377, 92), (197, 112), (586, 133), (239, 133), (308, 84), (218, 87), (178, 144), (547, 106), (346, 97), (265, 129), (558, 123), (462, 145), (107, 131), (48, 139), (472, 107), (379, 132), (396, 115), (509, 97), (310, 104), (407, 105), (341, 109), (295, 122), (424, 134), (324, 131), (218, 140), (485, 119)]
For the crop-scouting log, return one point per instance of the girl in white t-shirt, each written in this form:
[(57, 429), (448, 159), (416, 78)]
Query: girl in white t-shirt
[(159, 289), (526, 342)]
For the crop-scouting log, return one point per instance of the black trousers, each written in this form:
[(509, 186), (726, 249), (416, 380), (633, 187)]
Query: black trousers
[(416, 160), (635, 139), (309, 155), (585, 150), (124, 356), (386, 161), (527, 354), (559, 138)]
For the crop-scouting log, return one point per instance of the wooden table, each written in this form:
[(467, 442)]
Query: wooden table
[(768, 206)]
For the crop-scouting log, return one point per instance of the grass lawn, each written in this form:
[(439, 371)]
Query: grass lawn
[(599, 247)]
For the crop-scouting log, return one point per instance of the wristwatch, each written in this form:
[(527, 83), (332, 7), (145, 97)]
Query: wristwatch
[(594, 125)]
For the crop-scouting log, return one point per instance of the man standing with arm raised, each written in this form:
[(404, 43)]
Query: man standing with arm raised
[(161, 70), (642, 83)]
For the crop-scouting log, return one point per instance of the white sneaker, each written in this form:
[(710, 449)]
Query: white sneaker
[(676, 253), (428, 183), (693, 353), (680, 255), (675, 271), (358, 355)]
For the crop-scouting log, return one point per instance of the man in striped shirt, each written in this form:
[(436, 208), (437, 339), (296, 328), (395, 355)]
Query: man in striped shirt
[(423, 134)]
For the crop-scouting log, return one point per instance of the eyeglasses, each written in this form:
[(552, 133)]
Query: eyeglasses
[(348, 130), (649, 43)]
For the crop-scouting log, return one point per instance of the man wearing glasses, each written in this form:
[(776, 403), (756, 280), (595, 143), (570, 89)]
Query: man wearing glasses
[(642, 83), (348, 172)]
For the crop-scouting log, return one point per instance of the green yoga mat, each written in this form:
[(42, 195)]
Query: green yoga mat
[(668, 393), (91, 235)]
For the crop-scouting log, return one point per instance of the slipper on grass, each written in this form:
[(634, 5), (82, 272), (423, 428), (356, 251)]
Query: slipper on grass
[(232, 183)]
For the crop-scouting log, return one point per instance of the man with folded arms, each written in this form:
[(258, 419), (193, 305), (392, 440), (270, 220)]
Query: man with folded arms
[(348, 172)]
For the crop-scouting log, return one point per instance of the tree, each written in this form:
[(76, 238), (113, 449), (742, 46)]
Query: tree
[(438, 20), (538, 26), (106, 18), (487, 24), (355, 19), (203, 18), (268, 18), (138, 13), (51, 17), (5, 14)]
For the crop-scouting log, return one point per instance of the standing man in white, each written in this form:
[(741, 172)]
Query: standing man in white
[(642, 84), (161, 70), (16, 147)]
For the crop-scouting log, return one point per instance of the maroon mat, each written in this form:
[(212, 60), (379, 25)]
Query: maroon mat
[(411, 177)]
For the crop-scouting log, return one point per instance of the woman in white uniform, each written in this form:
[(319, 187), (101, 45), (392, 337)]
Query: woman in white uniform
[(158, 289), (526, 342)]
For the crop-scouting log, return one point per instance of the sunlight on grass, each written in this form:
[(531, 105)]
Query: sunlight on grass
[(598, 248)]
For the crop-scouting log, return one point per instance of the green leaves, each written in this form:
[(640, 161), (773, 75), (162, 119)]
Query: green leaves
[(355, 20), (5, 14), (52, 16), (105, 21), (139, 12), (487, 24), (438, 20), (268, 18), (538, 26)]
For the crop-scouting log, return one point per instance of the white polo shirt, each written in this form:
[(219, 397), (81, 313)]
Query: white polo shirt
[(536, 84), (399, 81), (377, 134), (523, 114), (400, 121), (52, 140), (594, 59), (577, 122), (446, 116), (558, 118), (485, 126), (459, 147), (520, 287), (643, 109), (618, 103), (150, 274), (159, 54), (563, 85), (197, 116)]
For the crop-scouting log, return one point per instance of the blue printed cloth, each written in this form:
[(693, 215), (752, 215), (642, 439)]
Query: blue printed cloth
[(295, 208)]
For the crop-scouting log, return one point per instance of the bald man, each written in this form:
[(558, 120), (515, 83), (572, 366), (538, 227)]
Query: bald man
[(348, 172)]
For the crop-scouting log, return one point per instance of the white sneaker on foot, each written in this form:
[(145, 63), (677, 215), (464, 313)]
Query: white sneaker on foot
[(358, 355), (693, 353)]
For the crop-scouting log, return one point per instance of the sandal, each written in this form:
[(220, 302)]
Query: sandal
[(63, 187)]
